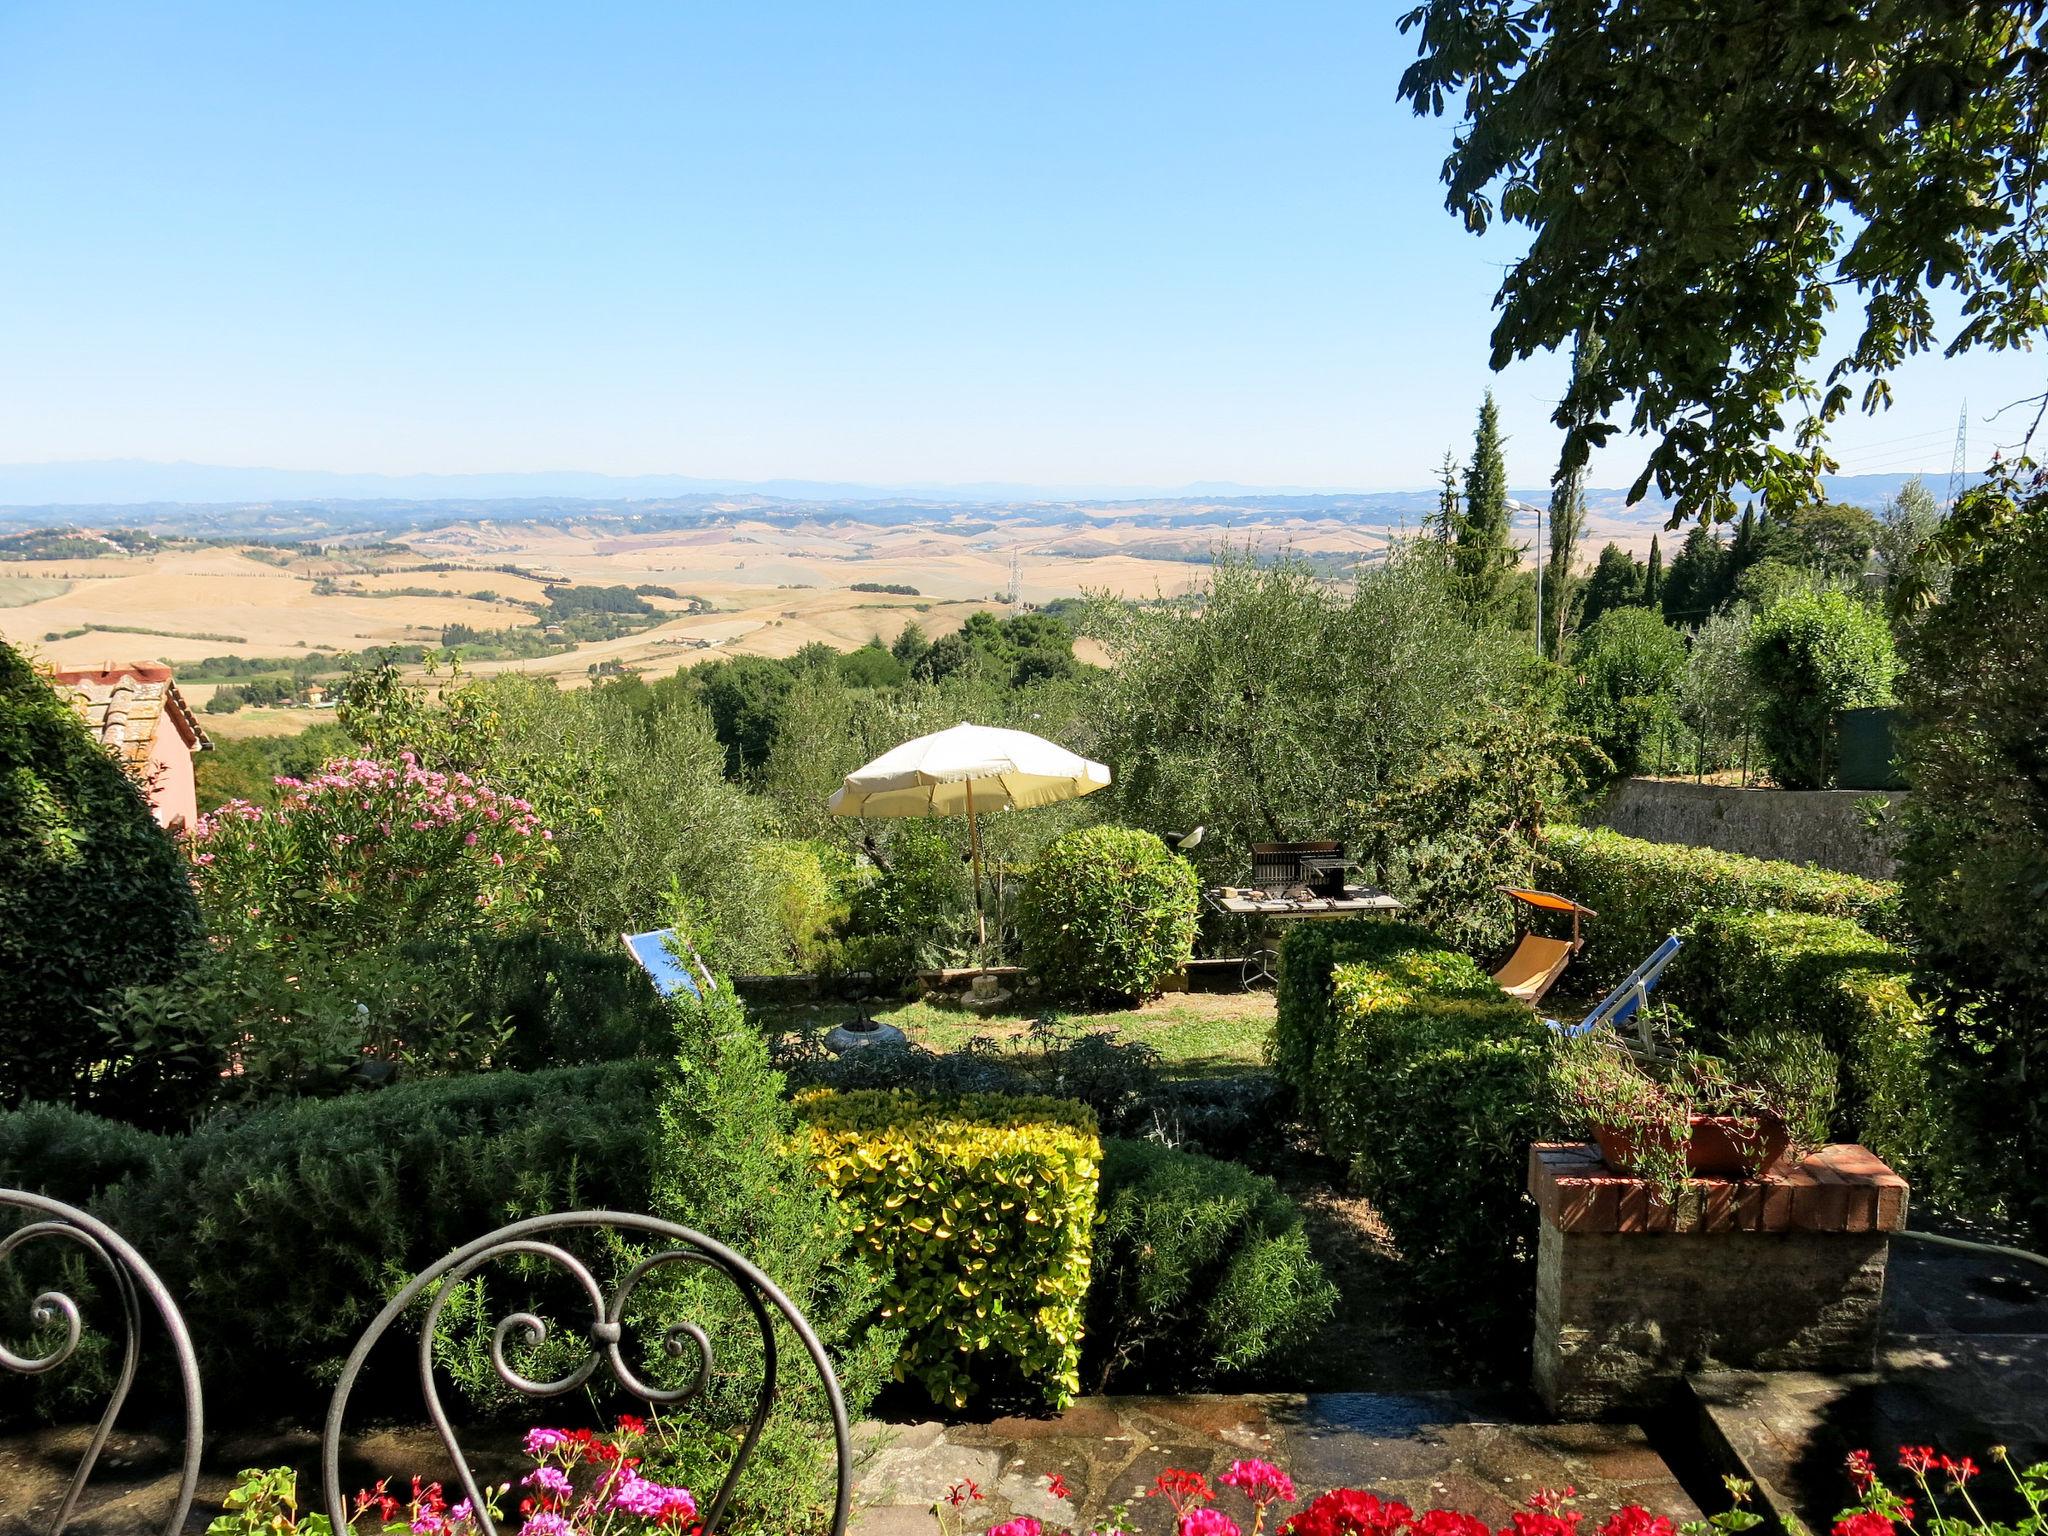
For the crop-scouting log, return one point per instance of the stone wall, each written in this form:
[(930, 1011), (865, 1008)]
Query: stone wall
[(1780, 1273), (1804, 826)]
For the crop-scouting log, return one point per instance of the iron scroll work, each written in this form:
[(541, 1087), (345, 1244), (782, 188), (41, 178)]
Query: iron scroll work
[(532, 1238), (133, 1279)]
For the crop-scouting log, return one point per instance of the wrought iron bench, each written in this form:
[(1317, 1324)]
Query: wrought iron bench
[(539, 1238)]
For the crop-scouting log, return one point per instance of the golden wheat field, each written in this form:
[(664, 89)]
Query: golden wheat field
[(743, 587)]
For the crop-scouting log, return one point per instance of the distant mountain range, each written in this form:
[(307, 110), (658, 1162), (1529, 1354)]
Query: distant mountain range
[(239, 499)]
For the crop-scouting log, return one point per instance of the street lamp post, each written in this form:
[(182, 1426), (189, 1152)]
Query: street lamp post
[(1536, 510)]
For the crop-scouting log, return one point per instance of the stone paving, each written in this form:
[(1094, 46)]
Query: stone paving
[(1963, 1366), (1426, 1449)]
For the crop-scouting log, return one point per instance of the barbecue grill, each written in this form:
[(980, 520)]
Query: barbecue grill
[(1315, 869)]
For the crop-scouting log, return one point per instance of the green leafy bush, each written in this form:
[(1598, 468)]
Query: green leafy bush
[(1813, 654), (984, 1206), (1430, 1085), (1202, 1272), (93, 896), (1106, 912), (1624, 668), (1749, 975), (1644, 891), (1975, 841), (282, 1233)]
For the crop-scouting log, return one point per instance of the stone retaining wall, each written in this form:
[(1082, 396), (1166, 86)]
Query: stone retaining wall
[(1803, 826)]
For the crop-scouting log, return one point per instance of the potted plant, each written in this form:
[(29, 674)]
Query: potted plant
[(1670, 1118)]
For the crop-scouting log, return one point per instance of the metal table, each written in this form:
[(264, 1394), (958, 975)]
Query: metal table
[(1266, 909)]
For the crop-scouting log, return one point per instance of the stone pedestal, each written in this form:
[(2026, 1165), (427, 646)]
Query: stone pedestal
[(1784, 1273)]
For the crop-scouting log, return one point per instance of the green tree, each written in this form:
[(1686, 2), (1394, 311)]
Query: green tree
[(1915, 572), (1653, 577), (1269, 705), (1812, 654), (1443, 526), (1707, 207), (910, 644), (93, 897), (744, 695), (1699, 581), (1482, 550), (1829, 538), (1616, 582), (1567, 523), (1747, 547), (1623, 670), (1974, 847), (872, 666)]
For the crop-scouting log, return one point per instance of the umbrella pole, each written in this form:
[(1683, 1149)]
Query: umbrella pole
[(974, 845)]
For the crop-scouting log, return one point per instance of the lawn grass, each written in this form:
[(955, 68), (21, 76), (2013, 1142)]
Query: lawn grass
[(1197, 1034)]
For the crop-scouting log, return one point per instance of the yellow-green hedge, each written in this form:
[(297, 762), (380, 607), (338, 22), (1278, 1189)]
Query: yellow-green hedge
[(983, 1207)]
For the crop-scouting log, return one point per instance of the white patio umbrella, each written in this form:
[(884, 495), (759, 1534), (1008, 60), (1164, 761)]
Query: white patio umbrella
[(964, 771)]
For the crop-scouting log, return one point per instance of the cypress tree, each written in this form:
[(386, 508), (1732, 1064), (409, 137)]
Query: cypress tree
[(1484, 557), (1445, 526), (1568, 512), (1653, 578)]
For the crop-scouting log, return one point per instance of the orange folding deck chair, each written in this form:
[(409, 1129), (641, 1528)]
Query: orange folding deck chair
[(1537, 962)]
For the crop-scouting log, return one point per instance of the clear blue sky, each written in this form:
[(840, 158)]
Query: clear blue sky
[(1056, 243)]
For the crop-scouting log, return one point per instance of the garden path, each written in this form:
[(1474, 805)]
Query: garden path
[(1426, 1449)]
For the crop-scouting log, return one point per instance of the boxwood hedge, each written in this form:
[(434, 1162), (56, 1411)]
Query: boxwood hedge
[(1430, 1085), (1747, 975), (1643, 891), (984, 1206)]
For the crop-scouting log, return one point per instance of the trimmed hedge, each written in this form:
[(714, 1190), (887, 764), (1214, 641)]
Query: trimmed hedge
[(1749, 974), (984, 1206), (1430, 1085), (1107, 911), (1202, 1272), (1644, 891), (283, 1234)]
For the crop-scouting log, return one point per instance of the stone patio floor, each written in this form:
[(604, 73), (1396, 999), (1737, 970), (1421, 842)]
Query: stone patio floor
[(1963, 1367), (1426, 1449)]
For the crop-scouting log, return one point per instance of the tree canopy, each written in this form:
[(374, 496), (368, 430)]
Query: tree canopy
[(1702, 179)]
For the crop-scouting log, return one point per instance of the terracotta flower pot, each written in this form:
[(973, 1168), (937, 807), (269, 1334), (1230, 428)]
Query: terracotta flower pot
[(1719, 1146)]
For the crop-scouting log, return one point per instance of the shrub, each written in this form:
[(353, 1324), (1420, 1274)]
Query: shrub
[(1976, 842), (1813, 654), (1643, 891), (1624, 667), (1431, 1085), (367, 853), (93, 896), (1202, 1272), (985, 1207), (1106, 912), (916, 912), (1749, 975)]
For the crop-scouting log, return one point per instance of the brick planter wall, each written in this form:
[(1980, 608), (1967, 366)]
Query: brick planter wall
[(1784, 1273)]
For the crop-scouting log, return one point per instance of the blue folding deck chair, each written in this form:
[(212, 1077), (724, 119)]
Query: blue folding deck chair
[(1626, 1001)]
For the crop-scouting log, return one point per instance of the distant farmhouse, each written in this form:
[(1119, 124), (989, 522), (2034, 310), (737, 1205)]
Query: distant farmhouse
[(139, 714)]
